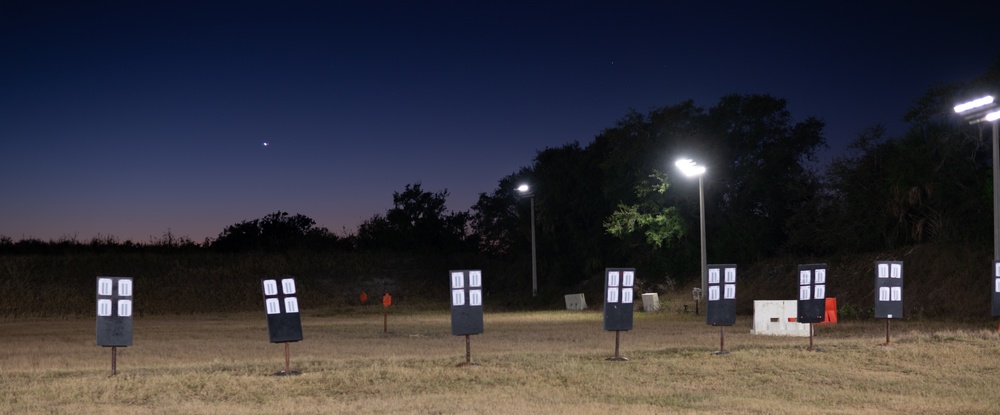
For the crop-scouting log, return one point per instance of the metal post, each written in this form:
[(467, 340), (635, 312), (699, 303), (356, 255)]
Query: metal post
[(722, 339), (114, 358), (887, 332), (468, 350), (704, 259), (996, 193), (385, 319), (287, 361), (534, 269), (810, 337), (617, 356)]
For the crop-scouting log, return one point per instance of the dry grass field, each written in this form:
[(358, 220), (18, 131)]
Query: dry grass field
[(539, 362)]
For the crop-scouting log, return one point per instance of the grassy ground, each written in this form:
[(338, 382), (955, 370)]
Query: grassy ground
[(538, 362)]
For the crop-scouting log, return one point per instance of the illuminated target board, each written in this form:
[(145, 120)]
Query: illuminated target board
[(812, 293), (114, 311), (888, 289), (721, 295), (618, 295), (466, 302), (281, 303)]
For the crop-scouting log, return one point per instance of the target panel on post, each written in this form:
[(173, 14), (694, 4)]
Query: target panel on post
[(996, 289), (466, 302), (888, 289), (114, 311), (281, 303), (812, 293), (721, 295), (618, 295)]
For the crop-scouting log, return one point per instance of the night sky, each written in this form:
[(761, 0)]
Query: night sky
[(131, 118)]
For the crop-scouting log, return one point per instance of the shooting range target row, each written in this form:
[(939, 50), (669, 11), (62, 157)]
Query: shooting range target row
[(115, 301)]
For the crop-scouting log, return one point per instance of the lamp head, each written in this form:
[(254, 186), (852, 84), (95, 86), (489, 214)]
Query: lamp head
[(690, 168)]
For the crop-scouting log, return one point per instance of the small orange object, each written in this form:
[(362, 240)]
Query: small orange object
[(791, 319), (364, 297), (386, 300)]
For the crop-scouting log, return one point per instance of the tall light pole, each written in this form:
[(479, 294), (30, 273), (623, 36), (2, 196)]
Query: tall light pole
[(985, 110), (691, 169), (525, 190)]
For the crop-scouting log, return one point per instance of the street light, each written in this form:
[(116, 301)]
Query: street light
[(691, 169), (525, 191), (977, 111)]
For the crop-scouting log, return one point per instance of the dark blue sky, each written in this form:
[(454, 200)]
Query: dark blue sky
[(132, 118)]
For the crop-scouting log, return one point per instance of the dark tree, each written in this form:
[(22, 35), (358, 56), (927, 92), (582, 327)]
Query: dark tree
[(417, 222), (277, 231)]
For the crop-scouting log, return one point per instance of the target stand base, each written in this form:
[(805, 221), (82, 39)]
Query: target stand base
[(288, 373), (465, 364), (617, 359), (720, 352)]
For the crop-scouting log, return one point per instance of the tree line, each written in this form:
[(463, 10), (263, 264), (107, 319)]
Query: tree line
[(619, 201)]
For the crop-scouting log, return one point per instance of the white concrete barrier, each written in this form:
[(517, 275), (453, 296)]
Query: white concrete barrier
[(777, 318), (576, 302), (650, 302)]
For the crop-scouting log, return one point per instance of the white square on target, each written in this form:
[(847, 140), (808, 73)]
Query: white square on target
[(104, 308), (475, 279), (820, 291), (896, 294), (883, 270), (805, 293), (104, 286), (821, 276), (883, 294), (713, 275), (730, 275), (272, 305), (291, 305), (998, 285), (613, 279), (628, 279), (713, 293), (270, 287), (124, 308), (124, 288), (458, 297), (897, 271), (288, 286), (476, 298), (627, 295), (457, 280), (612, 294), (730, 292), (805, 277)]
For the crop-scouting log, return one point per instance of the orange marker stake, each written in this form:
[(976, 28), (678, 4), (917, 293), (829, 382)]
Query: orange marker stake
[(386, 302)]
